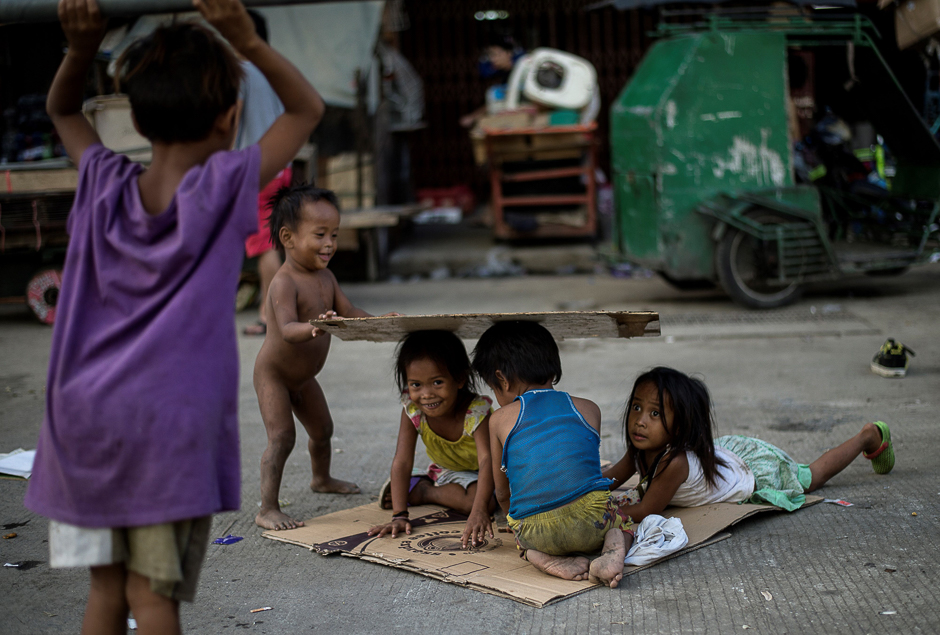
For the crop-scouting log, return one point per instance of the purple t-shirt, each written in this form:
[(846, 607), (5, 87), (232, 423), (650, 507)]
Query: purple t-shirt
[(141, 422)]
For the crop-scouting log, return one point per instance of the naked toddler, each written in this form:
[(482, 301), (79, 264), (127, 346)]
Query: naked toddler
[(304, 223)]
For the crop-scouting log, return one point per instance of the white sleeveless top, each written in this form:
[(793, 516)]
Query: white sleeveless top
[(733, 483)]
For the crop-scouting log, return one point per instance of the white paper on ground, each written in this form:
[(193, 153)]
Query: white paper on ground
[(17, 463), (656, 537)]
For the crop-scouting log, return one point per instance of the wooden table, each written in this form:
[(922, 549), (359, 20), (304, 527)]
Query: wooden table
[(541, 144)]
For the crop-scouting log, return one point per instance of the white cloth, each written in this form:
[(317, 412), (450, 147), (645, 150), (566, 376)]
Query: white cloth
[(73, 546), (656, 538), (734, 482)]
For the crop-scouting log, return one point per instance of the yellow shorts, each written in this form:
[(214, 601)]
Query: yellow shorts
[(578, 527), (170, 555)]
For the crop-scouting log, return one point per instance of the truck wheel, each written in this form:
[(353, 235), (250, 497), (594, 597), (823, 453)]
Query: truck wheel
[(42, 294), (744, 265)]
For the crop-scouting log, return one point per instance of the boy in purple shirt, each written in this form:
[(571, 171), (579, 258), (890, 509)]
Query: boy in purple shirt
[(139, 446)]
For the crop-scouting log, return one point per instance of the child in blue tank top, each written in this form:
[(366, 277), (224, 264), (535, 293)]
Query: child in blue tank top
[(546, 459)]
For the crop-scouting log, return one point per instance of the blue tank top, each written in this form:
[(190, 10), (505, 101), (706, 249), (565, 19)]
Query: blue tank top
[(551, 456)]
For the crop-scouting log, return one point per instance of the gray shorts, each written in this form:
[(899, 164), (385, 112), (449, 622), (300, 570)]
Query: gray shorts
[(464, 479)]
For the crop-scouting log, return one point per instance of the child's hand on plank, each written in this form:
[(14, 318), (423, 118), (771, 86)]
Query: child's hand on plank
[(230, 18), (329, 315), (397, 526), (478, 527), (83, 25)]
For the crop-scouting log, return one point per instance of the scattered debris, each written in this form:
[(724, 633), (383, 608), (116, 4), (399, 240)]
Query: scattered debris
[(263, 608), (913, 513), (15, 525), (838, 501), (888, 613), (132, 623), (767, 595), (228, 540), (745, 626), (23, 565), (890, 569), (10, 535)]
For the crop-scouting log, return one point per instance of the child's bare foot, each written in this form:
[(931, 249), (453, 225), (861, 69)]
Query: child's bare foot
[(608, 567), (277, 520), (334, 486), (565, 567)]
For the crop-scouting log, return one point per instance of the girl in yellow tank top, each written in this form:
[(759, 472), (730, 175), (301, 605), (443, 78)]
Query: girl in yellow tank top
[(441, 406)]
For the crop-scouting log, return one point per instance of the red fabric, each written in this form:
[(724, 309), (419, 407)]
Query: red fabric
[(260, 243)]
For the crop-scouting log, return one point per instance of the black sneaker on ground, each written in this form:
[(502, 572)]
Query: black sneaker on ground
[(891, 360)]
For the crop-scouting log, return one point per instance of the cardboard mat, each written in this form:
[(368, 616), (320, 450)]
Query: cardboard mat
[(433, 548), (561, 324)]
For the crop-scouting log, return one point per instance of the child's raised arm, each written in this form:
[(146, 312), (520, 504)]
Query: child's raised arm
[(303, 107), (84, 28)]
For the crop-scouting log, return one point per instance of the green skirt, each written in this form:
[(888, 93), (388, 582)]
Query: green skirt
[(778, 479)]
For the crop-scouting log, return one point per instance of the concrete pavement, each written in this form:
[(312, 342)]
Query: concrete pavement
[(798, 378)]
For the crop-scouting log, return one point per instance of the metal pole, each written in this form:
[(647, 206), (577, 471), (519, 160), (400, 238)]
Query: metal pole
[(46, 10)]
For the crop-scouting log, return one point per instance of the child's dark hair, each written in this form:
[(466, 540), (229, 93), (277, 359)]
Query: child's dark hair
[(522, 351), (286, 204), (692, 423), (179, 79), (441, 347)]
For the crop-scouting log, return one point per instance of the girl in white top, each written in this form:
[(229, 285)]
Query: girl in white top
[(669, 426)]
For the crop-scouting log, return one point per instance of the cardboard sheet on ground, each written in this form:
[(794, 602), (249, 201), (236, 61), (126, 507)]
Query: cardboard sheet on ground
[(561, 324), (433, 548)]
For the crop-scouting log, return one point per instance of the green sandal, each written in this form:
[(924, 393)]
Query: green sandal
[(882, 459)]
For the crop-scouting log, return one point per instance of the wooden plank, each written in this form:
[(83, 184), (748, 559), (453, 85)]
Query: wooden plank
[(23, 181), (406, 209), (538, 175), (561, 324), (366, 219), (496, 132)]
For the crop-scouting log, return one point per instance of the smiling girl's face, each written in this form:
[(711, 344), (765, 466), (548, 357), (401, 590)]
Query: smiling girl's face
[(649, 425), (432, 388)]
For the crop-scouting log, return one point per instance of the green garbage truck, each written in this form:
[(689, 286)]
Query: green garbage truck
[(726, 172)]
